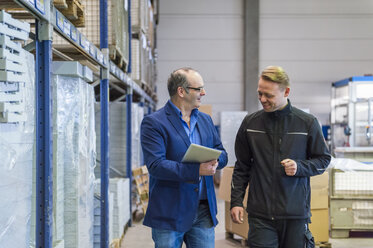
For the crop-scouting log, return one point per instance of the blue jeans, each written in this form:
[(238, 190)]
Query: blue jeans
[(200, 235)]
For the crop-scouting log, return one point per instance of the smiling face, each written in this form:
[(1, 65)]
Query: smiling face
[(195, 90), (271, 95)]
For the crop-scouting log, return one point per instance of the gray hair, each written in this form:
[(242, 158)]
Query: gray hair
[(178, 78)]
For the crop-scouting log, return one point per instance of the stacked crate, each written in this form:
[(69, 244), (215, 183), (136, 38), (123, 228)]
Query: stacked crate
[(17, 130), (73, 10), (74, 160), (140, 15), (118, 37), (143, 44), (117, 141), (351, 192), (97, 216), (137, 116), (320, 208), (119, 187)]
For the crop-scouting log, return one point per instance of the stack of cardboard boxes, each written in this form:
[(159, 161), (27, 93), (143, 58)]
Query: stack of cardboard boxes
[(319, 207)]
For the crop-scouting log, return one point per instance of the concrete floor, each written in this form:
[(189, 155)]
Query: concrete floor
[(139, 236)]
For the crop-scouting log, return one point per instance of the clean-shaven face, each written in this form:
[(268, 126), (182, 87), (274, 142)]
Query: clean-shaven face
[(196, 89), (271, 95)]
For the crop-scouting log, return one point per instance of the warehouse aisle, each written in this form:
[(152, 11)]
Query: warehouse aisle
[(139, 236)]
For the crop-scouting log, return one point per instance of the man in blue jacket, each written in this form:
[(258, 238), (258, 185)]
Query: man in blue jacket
[(182, 203), (277, 149)]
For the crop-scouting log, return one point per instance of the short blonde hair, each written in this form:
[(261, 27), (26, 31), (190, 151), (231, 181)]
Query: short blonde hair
[(276, 74)]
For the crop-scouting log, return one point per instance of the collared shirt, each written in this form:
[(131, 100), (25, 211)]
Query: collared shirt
[(195, 138)]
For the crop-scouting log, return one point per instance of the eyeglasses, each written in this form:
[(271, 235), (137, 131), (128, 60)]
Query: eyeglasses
[(199, 89)]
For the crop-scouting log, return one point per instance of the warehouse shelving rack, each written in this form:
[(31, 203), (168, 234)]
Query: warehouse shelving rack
[(48, 18)]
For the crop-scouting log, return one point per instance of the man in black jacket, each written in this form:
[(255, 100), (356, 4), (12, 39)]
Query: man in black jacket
[(277, 149)]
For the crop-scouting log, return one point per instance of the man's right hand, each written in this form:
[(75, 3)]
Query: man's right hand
[(208, 168), (237, 214)]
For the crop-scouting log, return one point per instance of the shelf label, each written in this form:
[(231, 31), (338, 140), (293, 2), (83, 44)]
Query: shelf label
[(84, 42), (74, 33), (66, 27), (100, 57), (59, 21), (39, 4), (92, 50)]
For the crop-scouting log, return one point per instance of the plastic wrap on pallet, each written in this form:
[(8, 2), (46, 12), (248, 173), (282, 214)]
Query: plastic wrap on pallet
[(97, 216), (16, 161), (230, 122), (137, 116), (75, 161), (140, 15), (117, 141), (119, 187), (350, 177)]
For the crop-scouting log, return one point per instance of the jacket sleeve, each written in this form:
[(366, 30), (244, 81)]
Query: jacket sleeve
[(241, 173), (317, 152), (153, 142)]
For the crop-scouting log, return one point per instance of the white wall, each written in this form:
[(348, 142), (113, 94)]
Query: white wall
[(317, 42), (208, 36)]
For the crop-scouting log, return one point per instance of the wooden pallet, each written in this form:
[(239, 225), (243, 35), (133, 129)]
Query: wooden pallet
[(230, 236), (72, 10), (116, 55), (141, 179), (15, 10), (323, 245)]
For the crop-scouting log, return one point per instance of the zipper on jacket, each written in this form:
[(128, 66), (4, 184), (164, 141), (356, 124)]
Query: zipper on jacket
[(275, 137)]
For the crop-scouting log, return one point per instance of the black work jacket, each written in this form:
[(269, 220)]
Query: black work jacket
[(263, 141)]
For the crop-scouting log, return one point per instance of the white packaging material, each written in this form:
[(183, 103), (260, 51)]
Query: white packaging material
[(14, 23), (8, 65), (13, 33), (137, 116), (16, 161), (117, 141), (230, 122), (119, 187)]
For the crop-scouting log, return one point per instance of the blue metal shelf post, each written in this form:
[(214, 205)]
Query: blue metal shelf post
[(129, 145), (44, 139), (104, 98)]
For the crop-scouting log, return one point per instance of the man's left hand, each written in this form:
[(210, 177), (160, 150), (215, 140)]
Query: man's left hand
[(290, 166)]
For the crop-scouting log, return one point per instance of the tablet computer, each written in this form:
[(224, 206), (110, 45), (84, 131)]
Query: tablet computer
[(200, 154)]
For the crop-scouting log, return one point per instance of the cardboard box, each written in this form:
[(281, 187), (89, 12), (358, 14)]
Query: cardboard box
[(319, 206), (206, 108), (225, 194), (320, 225), (320, 191), (225, 186)]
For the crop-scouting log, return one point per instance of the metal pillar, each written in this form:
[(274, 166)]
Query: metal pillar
[(44, 138), (104, 98), (129, 145), (129, 67), (251, 61)]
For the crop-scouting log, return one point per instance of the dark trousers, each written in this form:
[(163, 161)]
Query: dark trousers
[(288, 233)]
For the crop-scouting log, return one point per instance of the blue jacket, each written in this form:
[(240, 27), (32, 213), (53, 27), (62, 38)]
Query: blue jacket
[(173, 185)]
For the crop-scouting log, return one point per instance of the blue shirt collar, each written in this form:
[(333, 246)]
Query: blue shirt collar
[(194, 114)]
